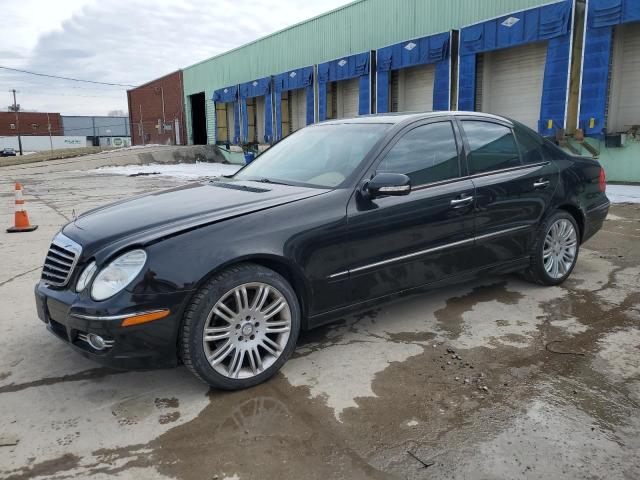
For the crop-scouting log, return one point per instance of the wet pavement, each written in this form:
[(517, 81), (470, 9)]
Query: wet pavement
[(495, 378)]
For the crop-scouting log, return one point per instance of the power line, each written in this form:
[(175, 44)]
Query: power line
[(67, 78), (42, 93)]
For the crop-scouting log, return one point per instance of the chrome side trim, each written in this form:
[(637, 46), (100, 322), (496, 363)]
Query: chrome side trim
[(412, 255), (499, 233), (338, 274), (113, 317), (532, 166), (430, 250)]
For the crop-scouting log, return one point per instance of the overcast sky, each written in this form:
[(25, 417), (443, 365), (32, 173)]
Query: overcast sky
[(124, 41)]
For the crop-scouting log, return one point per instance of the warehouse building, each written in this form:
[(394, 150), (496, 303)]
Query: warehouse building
[(103, 131), (30, 123), (569, 69), (156, 112)]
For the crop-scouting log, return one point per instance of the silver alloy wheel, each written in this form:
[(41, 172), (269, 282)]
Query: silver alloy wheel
[(247, 330), (560, 247)]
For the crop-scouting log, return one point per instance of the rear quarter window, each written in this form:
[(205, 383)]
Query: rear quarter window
[(492, 146), (531, 145)]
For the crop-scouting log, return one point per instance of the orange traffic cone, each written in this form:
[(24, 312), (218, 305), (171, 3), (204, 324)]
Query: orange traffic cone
[(22, 219)]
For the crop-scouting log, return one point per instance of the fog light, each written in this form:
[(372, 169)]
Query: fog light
[(96, 341)]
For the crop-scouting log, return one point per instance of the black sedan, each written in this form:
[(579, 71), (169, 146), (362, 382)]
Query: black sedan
[(222, 274), (7, 152)]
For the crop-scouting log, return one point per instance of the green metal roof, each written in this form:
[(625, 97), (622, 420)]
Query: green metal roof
[(354, 28)]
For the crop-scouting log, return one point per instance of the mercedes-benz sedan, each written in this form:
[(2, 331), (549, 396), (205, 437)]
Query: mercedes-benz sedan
[(223, 274)]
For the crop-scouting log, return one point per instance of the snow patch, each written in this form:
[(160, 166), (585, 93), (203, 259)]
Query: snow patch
[(623, 193), (180, 170)]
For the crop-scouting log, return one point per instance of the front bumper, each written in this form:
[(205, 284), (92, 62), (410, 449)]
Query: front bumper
[(145, 346)]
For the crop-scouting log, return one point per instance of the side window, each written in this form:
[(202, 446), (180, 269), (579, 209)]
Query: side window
[(426, 154), (493, 146), (530, 145)]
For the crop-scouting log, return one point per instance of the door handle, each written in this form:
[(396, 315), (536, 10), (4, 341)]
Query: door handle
[(461, 202), (541, 184)]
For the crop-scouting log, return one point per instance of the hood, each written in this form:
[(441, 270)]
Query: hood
[(146, 218)]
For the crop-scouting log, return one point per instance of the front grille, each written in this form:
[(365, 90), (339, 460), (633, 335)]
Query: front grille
[(61, 259)]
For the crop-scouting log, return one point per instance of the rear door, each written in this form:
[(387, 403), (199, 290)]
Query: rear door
[(514, 184), (396, 243)]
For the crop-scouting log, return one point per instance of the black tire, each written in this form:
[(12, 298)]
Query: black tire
[(191, 336), (537, 273)]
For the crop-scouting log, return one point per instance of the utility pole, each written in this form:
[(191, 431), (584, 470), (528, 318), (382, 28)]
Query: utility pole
[(164, 121), (50, 139), (16, 109), (141, 126)]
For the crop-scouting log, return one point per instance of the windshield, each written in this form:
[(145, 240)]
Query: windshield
[(322, 155)]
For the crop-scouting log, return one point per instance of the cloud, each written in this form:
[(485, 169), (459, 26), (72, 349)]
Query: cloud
[(130, 41)]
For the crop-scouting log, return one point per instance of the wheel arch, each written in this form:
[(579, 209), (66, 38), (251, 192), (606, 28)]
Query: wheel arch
[(577, 214), (276, 263)]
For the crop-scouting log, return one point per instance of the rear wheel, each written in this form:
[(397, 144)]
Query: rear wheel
[(556, 250), (241, 327)]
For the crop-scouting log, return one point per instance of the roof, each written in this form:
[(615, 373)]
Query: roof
[(402, 116)]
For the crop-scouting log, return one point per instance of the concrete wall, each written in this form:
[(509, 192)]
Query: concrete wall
[(42, 143), (620, 164)]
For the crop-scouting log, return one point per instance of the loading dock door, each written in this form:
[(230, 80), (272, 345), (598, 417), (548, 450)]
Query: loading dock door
[(348, 91), (198, 119), (624, 95), (512, 81), (260, 119), (415, 89), (298, 102)]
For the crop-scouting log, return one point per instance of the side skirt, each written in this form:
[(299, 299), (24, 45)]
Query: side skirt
[(335, 315)]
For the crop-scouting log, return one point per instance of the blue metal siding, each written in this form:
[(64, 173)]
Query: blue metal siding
[(602, 16), (433, 49), (550, 22)]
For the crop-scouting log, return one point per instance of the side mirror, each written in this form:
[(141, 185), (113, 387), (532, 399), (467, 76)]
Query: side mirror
[(388, 184)]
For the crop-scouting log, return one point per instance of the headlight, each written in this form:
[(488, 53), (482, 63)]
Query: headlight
[(118, 274), (86, 276)]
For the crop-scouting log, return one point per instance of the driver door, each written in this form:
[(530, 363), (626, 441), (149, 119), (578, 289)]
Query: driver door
[(396, 243)]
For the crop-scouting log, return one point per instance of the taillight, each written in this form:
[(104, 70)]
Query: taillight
[(602, 181)]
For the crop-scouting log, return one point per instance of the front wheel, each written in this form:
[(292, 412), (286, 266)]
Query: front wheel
[(556, 250), (241, 327)]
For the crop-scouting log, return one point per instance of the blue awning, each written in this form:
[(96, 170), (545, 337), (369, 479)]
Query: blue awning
[(549, 22), (345, 68), (229, 95), (257, 88), (602, 16), (542, 23), (294, 79), (226, 95), (420, 51)]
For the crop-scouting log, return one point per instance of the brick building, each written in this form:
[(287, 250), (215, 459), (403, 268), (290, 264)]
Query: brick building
[(156, 111), (31, 123)]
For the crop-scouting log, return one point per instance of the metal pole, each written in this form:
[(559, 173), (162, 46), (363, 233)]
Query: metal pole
[(141, 125), (15, 109), (50, 139), (164, 121)]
